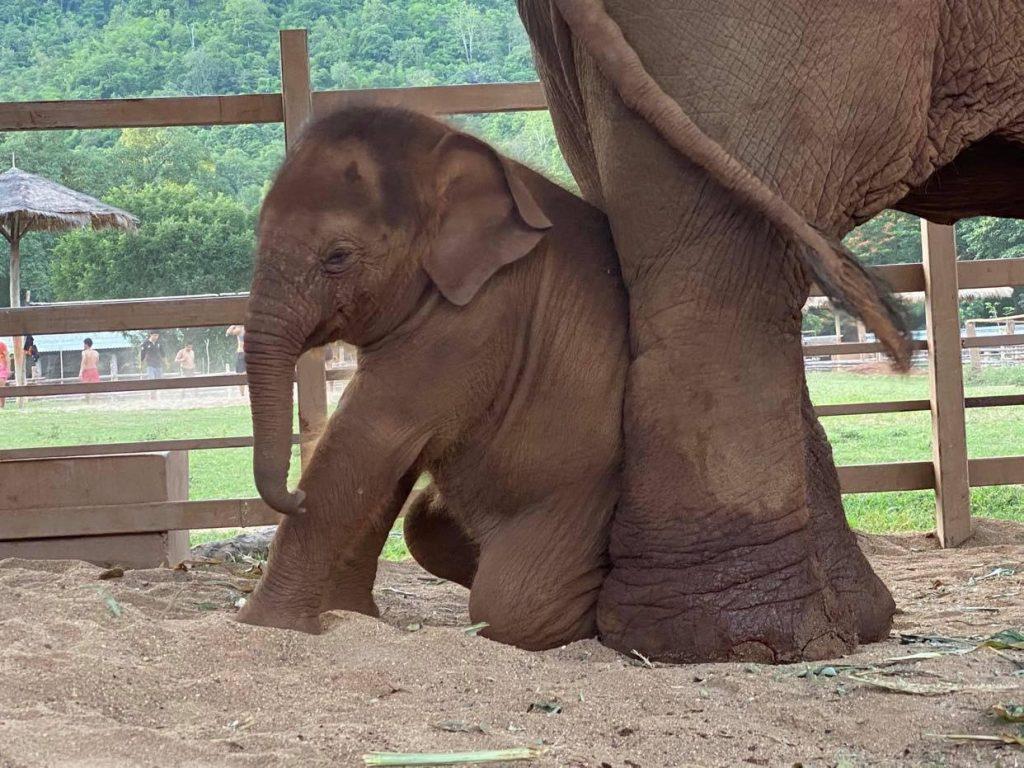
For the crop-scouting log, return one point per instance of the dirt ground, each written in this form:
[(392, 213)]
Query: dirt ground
[(149, 669)]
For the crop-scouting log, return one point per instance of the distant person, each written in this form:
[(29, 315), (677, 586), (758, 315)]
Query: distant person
[(5, 370), (186, 360), (238, 331), (32, 357), (153, 356), (113, 366), (89, 371)]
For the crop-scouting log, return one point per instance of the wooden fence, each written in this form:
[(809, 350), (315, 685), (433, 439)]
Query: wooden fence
[(950, 473)]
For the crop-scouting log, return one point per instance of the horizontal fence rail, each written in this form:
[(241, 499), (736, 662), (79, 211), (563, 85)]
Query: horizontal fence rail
[(252, 109), (232, 513), (341, 373)]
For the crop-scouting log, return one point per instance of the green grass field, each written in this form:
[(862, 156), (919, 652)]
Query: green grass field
[(855, 440)]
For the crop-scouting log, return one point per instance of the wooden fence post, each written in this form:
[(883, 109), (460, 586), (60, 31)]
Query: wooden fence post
[(945, 371), (297, 101)]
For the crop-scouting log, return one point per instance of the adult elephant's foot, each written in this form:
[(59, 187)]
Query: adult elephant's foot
[(856, 585), (770, 603)]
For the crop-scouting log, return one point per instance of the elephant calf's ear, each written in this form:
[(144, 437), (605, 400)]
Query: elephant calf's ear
[(488, 218)]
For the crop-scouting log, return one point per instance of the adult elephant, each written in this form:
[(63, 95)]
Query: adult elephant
[(732, 144)]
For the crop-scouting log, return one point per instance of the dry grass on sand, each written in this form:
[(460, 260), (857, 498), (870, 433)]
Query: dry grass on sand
[(149, 669)]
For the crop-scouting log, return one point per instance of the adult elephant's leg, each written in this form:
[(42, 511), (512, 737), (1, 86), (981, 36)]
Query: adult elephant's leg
[(437, 541), (855, 583), (712, 547)]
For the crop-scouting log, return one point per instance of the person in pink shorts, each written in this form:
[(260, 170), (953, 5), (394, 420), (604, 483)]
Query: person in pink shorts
[(89, 372)]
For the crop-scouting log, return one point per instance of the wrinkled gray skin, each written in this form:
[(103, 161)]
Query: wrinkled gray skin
[(490, 318), (730, 541)]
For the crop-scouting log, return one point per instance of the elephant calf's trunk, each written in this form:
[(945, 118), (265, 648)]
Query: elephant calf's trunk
[(270, 370)]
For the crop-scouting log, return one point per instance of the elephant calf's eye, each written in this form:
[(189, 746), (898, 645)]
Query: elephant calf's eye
[(336, 259)]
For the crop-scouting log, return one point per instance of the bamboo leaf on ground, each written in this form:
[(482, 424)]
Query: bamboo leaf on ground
[(452, 758)]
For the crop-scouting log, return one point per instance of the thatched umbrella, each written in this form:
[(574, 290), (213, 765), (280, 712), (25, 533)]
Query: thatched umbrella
[(29, 202)]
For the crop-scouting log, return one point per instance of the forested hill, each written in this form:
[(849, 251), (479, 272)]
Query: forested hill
[(123, 48), (197, 190)]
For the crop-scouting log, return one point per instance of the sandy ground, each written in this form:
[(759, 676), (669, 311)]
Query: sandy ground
[(173, 680)]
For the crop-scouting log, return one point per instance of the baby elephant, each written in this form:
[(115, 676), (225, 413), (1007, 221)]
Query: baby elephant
[(490, 318)]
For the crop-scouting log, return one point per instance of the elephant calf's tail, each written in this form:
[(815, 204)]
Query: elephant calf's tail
[(837, 271)]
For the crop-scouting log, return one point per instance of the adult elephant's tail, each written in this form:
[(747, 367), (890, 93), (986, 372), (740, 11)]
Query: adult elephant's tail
[(837, 271)]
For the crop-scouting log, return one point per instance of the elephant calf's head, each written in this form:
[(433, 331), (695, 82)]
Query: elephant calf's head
[(374, 209)]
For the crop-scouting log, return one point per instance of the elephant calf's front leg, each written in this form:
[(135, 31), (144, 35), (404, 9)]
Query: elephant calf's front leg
[(326, 558), (349, 585)]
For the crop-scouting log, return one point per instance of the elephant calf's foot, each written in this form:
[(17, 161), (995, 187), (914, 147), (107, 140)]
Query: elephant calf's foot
[(264, 616), (356, 601), (721, 613)]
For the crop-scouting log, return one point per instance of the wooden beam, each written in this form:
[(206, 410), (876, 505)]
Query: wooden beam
[(257, 108), (142, 446), (897, 476), (1004, 340), (297, 97), (984, 273), (945, 373), (441, 99), (125, 314), (899, 277), (851, 348), (134, 518), (147, 385), (990, 273), (903, 406), (141, 113), (1002, 470), (858, 409)]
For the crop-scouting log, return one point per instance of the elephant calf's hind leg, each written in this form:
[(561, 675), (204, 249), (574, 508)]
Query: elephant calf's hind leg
[(438, 542)]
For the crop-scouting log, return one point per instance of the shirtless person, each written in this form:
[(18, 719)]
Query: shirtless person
[(238, 331), (89, 372)]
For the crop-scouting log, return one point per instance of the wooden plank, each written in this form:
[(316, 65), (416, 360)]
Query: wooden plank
[(141, 113), (230, 513), (1001, 470), (257, 108), (903, 406), (897, 476), (946, 377), (984, 273), (125, 314), (134, 518), (990, 273), (297, 98), (856, 409), (851, 348), (899, 277), (442, 99), (127, 385), (145, 385), (1002, 340), (142, 446), (993, 401)]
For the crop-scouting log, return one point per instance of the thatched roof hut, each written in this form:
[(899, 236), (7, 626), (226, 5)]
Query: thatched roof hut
[(29, 202)]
